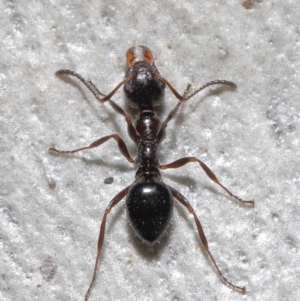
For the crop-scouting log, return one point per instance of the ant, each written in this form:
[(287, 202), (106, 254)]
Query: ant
[(149, 201)]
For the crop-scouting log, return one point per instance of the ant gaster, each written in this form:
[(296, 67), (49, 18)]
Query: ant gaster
[(149, 201)]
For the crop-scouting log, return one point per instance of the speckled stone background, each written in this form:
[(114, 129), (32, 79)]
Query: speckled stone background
[(51, 206)]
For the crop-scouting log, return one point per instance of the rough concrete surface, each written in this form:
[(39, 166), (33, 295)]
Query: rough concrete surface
[(51, 206)]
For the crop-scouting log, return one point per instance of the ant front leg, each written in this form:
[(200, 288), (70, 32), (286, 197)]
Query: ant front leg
[(103, 98), (122, 147), (177, 195), (210, 174), (182, 98), (162, 132), (113, 203)]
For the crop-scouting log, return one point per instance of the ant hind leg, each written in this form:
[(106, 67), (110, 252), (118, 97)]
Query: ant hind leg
[(113, 202), (177, 195)]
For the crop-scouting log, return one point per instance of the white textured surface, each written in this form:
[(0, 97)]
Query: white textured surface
[(249, 138)]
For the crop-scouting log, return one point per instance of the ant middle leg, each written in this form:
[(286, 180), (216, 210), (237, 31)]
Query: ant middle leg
[(177, 195), (113, 202), (121, 144), (210, 174)]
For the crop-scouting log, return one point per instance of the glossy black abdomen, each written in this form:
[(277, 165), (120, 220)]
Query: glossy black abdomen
[(149, 207)]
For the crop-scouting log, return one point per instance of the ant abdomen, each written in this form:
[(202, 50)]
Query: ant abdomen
[(149, 207)]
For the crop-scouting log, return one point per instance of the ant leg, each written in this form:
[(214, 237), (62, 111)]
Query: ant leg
[(122, 147), (183, 98), (113, 202), (102, 98), (177, 195), (162, 132), (210, 174), (131, 130)]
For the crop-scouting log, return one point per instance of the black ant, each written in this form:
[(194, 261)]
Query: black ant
[(149, 201)]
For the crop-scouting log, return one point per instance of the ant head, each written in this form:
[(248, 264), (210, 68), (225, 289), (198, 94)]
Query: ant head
[(145, 90)]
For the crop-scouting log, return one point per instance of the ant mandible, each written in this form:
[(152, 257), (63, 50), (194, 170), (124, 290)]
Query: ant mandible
[(149, 201)]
